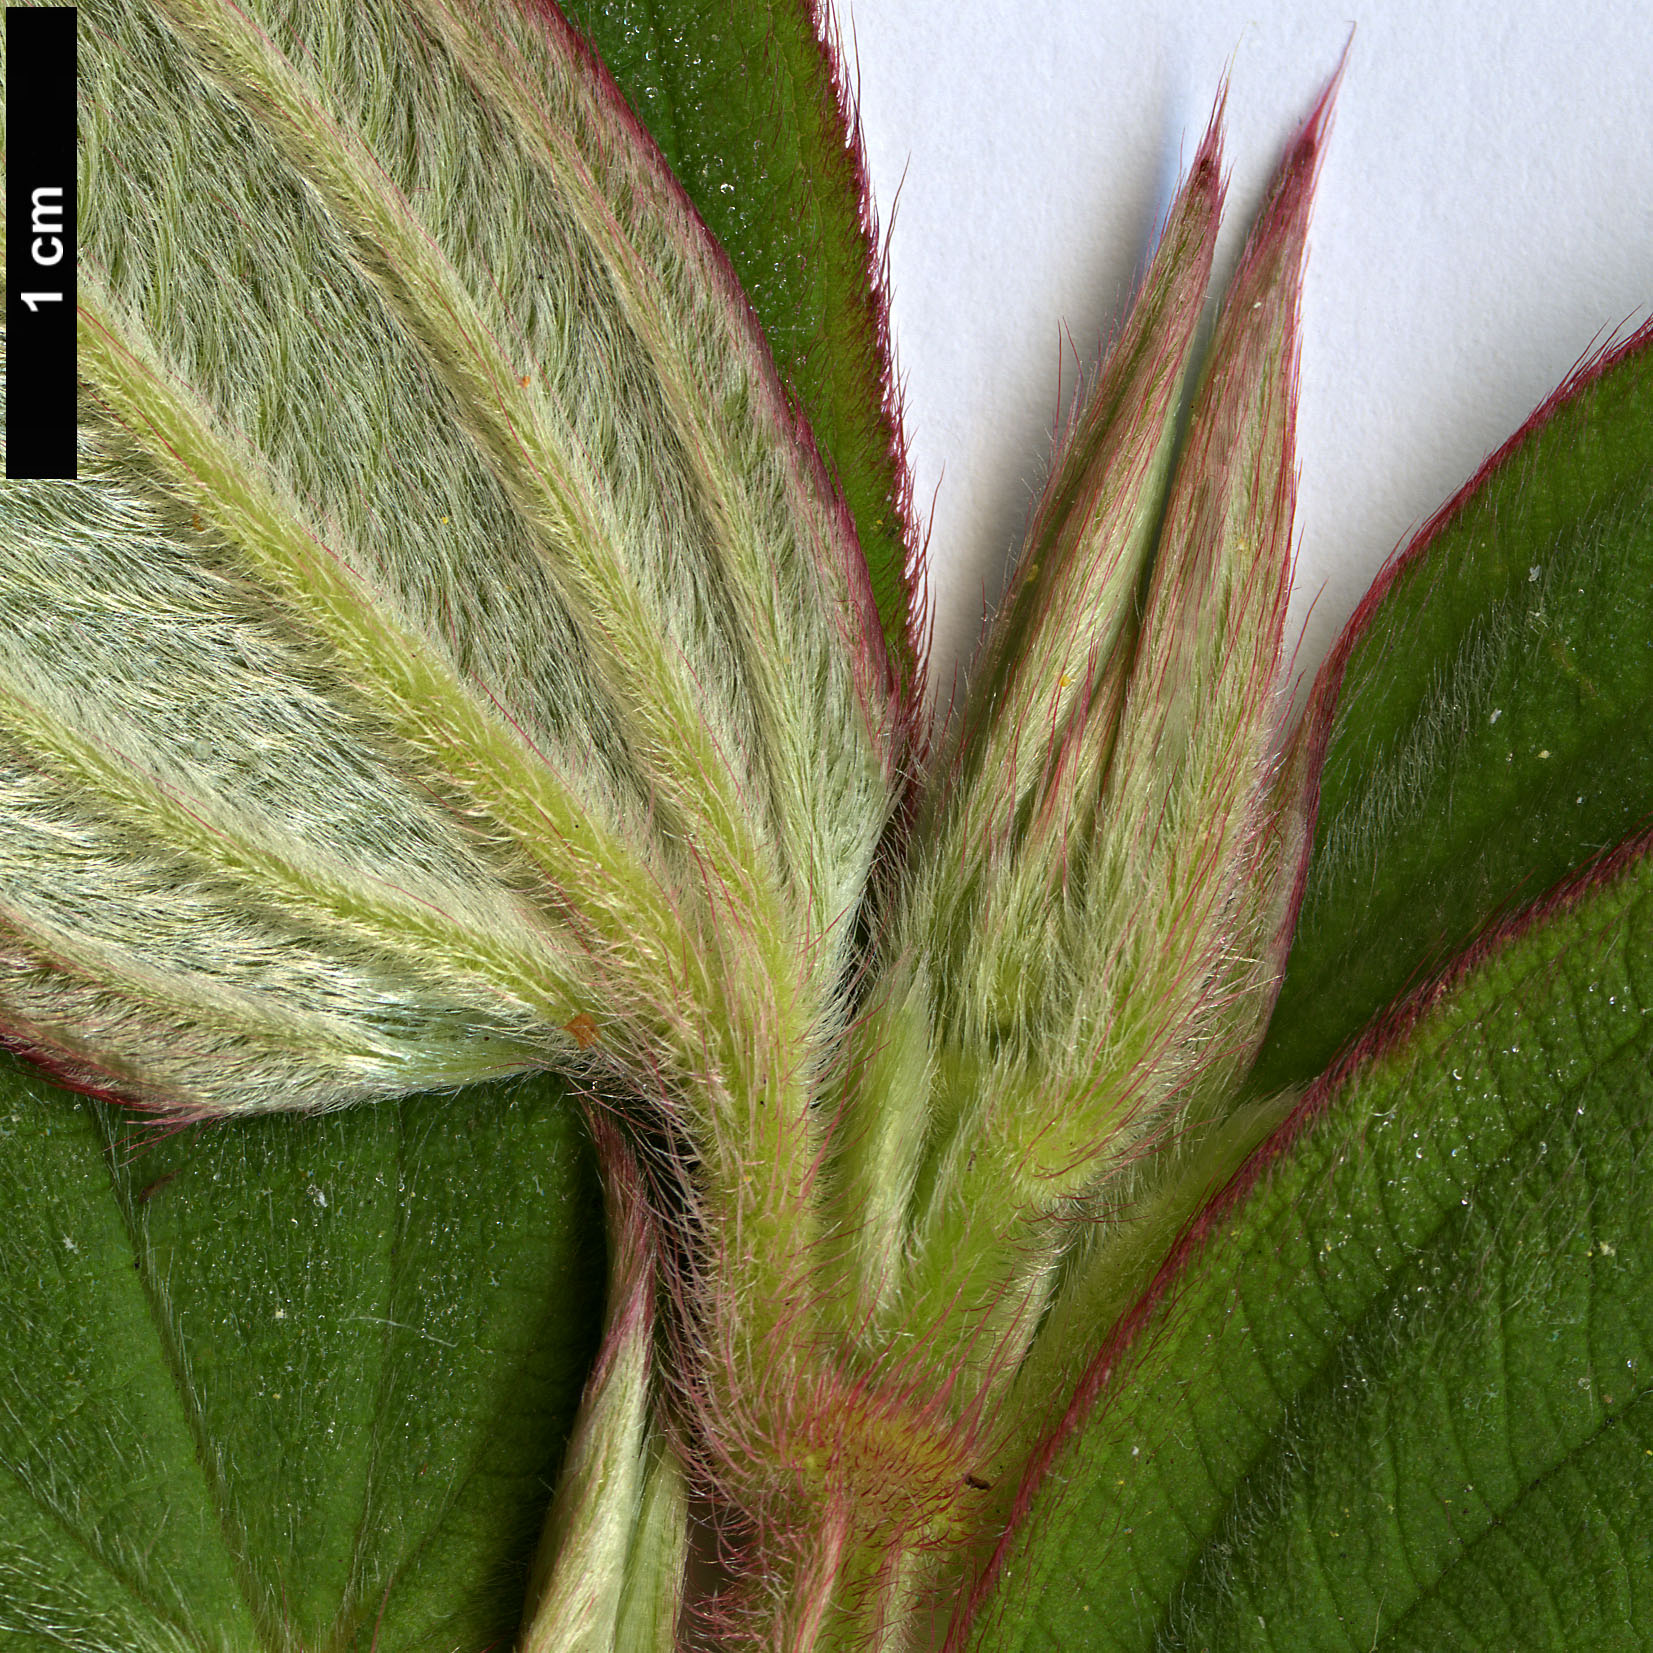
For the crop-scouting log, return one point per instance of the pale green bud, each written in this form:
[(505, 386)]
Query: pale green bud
[(1102, 902)]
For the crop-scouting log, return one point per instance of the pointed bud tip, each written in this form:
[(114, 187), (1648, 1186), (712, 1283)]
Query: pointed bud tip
[(1188, 234), (1278, 238), (1205, 174), (1287, 207)]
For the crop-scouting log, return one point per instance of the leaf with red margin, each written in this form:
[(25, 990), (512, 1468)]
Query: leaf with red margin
[(1394, 1387), (1485, 712), (752, 107)]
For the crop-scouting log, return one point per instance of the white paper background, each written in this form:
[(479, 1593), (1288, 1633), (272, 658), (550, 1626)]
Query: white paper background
[(1485, 215)]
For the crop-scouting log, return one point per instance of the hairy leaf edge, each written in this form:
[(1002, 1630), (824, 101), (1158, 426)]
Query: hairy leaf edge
[(892, 670), (1382, 1034), (918, 621), (1318, 723)]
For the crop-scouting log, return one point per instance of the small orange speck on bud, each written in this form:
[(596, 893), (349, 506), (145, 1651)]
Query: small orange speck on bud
[(584, 1030), (195, 522), (523, 381)]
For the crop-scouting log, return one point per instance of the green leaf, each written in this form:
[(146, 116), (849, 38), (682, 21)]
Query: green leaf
[(1492, 730), (275, 1383), (753, 113), (1400, 1393), (422, 425)]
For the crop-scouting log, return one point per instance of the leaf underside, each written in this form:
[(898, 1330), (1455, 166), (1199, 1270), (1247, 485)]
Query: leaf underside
[(288, 1385), (749, 108)]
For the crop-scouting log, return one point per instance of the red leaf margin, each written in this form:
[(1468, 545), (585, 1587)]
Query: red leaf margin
[(1382, 1034)]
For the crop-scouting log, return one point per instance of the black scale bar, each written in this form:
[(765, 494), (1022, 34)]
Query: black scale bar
[(40, 241)]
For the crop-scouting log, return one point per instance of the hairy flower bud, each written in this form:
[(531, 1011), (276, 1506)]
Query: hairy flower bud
[(1186, 816), (1020, 770), (1069, 610), (1097, 923)]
